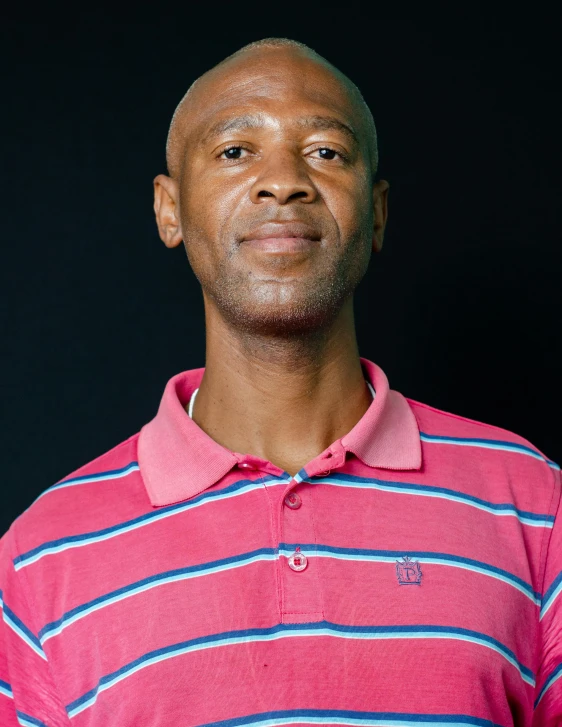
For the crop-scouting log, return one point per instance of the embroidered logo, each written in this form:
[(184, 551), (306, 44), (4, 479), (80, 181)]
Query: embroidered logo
[(408, 572)]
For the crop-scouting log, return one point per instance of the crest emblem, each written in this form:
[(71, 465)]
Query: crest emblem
[(408, 572)]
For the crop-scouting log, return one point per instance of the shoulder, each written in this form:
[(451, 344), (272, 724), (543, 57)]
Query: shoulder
[(106, 490), (468, 446), (435, 423)]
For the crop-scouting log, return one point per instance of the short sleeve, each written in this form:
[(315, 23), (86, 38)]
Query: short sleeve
[(548, 694), (27, 692)]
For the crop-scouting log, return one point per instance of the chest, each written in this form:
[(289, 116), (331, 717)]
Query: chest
[(343, 593)]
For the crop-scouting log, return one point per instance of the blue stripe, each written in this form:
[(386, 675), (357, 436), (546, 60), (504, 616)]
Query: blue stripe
[(6, 689), (390, 556), (93, 477), (408, 488), (18, 627), (271, 554), (242, 486), (551, 594), (321, 628), (79, 612), (75, 541), (27, 721), (554, 677), (488, 444), (351, 717)]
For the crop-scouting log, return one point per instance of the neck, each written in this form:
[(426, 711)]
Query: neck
[(282, 399)]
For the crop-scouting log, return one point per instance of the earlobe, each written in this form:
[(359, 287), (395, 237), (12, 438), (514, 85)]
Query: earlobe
[(380, 212), (166, 209)]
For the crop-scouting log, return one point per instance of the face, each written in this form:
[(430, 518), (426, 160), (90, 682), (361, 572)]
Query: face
[(275, 200)]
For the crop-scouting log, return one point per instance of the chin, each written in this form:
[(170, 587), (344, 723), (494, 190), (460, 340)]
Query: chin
[(294, 307), (288, 319)]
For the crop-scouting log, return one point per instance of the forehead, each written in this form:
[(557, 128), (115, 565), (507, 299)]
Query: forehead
[(275, 82)]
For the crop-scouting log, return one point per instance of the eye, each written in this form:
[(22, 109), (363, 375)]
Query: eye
[(232, 152), (324, 152)]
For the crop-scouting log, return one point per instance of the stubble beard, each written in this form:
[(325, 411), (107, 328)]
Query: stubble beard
[(287, 310)]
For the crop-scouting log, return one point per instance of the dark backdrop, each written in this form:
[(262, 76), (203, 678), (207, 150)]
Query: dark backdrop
[(462, 307)]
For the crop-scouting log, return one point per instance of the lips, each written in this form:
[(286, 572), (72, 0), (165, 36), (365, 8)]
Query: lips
[(282, 231), (282, 238)]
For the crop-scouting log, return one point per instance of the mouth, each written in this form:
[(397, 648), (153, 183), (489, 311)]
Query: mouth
[(282, 237)]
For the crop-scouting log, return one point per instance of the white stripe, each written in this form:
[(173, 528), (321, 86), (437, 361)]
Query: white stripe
[(556, 678), (422, 559), (25, 722), (253, 638), (23, 636), (489, 445), (149, 586), (271, 557), (87, 480), (430, 493), (550, 601), (134, 526), (338, 720), (6, 692)]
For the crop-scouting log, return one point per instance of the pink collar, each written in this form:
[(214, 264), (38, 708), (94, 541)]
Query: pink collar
[(178, 460)]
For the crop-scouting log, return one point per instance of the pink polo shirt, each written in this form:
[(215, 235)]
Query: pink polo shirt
[(409, 574)]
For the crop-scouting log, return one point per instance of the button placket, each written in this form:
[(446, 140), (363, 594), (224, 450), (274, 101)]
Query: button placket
[(301, 599)]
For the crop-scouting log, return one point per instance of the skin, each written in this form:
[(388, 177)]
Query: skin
[(282, 378)]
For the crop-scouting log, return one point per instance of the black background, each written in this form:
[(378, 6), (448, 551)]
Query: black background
[(462, 307)]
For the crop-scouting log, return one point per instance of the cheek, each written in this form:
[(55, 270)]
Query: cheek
[(208, 204), (351, 208), (207, 208)]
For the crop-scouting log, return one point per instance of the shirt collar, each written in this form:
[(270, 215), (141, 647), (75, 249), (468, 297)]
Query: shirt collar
[(178, 460)]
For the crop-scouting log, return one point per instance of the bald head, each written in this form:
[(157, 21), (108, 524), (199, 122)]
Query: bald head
[(290, 56)]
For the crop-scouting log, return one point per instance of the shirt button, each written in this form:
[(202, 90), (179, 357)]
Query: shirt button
[(293, 500), (298, 561), (246, 466)]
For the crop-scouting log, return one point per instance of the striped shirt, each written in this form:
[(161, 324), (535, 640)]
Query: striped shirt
[(410, 574)]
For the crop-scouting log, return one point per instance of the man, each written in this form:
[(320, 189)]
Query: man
[(288, 541)]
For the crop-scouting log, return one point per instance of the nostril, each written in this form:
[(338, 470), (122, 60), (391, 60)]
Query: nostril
[(265, 193)]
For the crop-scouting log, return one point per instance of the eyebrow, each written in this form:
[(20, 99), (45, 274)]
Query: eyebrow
[(258, 121), (327, 123)]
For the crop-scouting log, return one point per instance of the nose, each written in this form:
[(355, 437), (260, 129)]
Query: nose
[(284, 177)]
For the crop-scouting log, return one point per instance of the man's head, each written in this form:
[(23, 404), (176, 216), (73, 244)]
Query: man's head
[(271, 156)]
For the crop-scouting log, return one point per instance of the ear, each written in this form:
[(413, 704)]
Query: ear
[(166, 209), (380, 210)]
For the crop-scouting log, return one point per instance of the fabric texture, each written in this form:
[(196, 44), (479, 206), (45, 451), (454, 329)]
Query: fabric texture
[(162, 583)]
